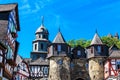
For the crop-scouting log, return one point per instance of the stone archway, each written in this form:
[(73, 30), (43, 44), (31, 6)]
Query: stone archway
[(79, 79)]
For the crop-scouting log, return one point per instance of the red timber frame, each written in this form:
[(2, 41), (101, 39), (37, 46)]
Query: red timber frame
[(111, 69)]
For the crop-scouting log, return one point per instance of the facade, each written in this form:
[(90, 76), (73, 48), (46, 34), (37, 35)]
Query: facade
[(9, 26), (112, 64), (21, 71), (58, 61)]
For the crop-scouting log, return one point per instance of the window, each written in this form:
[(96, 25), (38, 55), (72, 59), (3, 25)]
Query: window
[(45, 70), (43, 36), (118, 64), (39, 36), (78, 52), (98, 49), (35, 46), (41, 46), (59, 47), (91, 49)]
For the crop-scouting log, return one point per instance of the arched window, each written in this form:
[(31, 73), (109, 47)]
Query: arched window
[(45, 70)]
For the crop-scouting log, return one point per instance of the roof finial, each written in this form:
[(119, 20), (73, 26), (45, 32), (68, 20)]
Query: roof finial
[(42, 20), (59, 28), (96, 31)]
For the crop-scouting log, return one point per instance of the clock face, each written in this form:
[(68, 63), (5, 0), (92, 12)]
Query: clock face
[(60, 61)]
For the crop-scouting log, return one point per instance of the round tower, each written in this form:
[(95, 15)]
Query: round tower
[(96, 54), (40, 43), (59, 59)]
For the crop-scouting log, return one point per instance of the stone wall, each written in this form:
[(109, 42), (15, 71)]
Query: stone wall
[(96, 69), (79, 70), (59, 68)]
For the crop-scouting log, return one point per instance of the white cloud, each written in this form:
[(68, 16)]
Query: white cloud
[(25, 6)]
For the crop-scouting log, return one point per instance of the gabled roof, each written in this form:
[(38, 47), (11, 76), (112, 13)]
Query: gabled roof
[(115, 54), (59, 38), (40, 61), (96, 40)]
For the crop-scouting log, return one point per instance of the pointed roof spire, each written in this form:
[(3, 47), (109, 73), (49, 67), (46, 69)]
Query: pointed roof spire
[(42, 20), (59, 38), (96, 31), (96, 39), (59, 29)]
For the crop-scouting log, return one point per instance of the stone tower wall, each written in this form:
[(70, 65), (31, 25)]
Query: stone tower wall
[(59, 71), (96, 67)]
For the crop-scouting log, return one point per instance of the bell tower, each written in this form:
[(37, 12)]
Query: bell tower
[(40, 43), (58, 55), (96, 54)]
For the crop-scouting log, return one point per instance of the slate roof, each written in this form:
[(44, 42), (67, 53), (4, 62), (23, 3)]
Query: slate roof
[(42, 28), (96, 40), (7, 7), (115, 54), (59, 38), (39, 61)]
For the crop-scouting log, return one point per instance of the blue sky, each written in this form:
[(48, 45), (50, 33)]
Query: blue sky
[(76, 18)]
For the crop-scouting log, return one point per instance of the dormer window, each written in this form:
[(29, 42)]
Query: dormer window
[(99, 49), (78, 52), (59, 47)]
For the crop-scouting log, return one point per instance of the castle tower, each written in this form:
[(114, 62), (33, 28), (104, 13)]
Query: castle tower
[(96, 54), (41, 42), (39, 65), (58, 55)]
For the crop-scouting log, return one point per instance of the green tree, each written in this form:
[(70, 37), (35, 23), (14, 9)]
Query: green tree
[(109, 41)]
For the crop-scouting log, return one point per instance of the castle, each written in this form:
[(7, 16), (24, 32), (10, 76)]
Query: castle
[(58, 61)]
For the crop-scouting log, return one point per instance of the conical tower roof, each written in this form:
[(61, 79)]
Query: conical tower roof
[(59, 38), (96, 40)]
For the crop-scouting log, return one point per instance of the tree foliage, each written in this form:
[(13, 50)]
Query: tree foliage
[(109, 41)]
